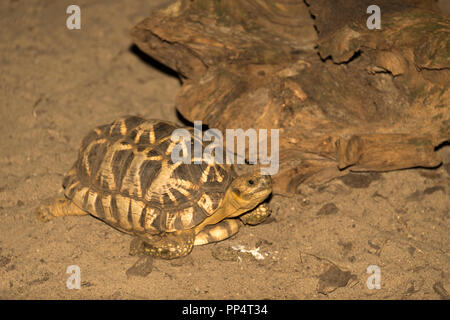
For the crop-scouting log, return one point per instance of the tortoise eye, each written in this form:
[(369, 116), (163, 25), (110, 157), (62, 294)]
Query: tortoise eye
[(251, 182)]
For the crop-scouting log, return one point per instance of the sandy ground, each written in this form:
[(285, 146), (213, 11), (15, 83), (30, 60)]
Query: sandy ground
[(57, 84)]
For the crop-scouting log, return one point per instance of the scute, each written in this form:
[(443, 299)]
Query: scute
[(125, 176)]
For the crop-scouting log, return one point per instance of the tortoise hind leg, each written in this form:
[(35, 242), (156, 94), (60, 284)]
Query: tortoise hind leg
[(217, 232), (168, 245), (58, 207)]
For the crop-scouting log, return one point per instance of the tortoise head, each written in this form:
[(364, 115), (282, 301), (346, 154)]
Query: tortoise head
[(249, 190), (243, 194)]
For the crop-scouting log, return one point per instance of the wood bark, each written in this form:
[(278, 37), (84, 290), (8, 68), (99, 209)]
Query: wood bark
[(343, 97)]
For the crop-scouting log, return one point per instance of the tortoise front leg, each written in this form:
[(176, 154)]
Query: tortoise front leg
[(217, 232), (257, 215), (58, 207), (229, 227)]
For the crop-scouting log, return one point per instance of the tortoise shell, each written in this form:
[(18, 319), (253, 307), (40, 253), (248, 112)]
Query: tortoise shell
[(124, 175)]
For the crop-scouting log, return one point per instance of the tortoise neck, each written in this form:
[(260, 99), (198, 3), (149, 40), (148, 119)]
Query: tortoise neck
[(229, 208)]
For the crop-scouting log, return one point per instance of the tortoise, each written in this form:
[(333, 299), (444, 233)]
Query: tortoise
[(125, 176)]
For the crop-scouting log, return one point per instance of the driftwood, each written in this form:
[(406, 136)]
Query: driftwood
[(343, 97)]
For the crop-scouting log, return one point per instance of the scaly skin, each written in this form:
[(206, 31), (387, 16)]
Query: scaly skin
[(58, 207)]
